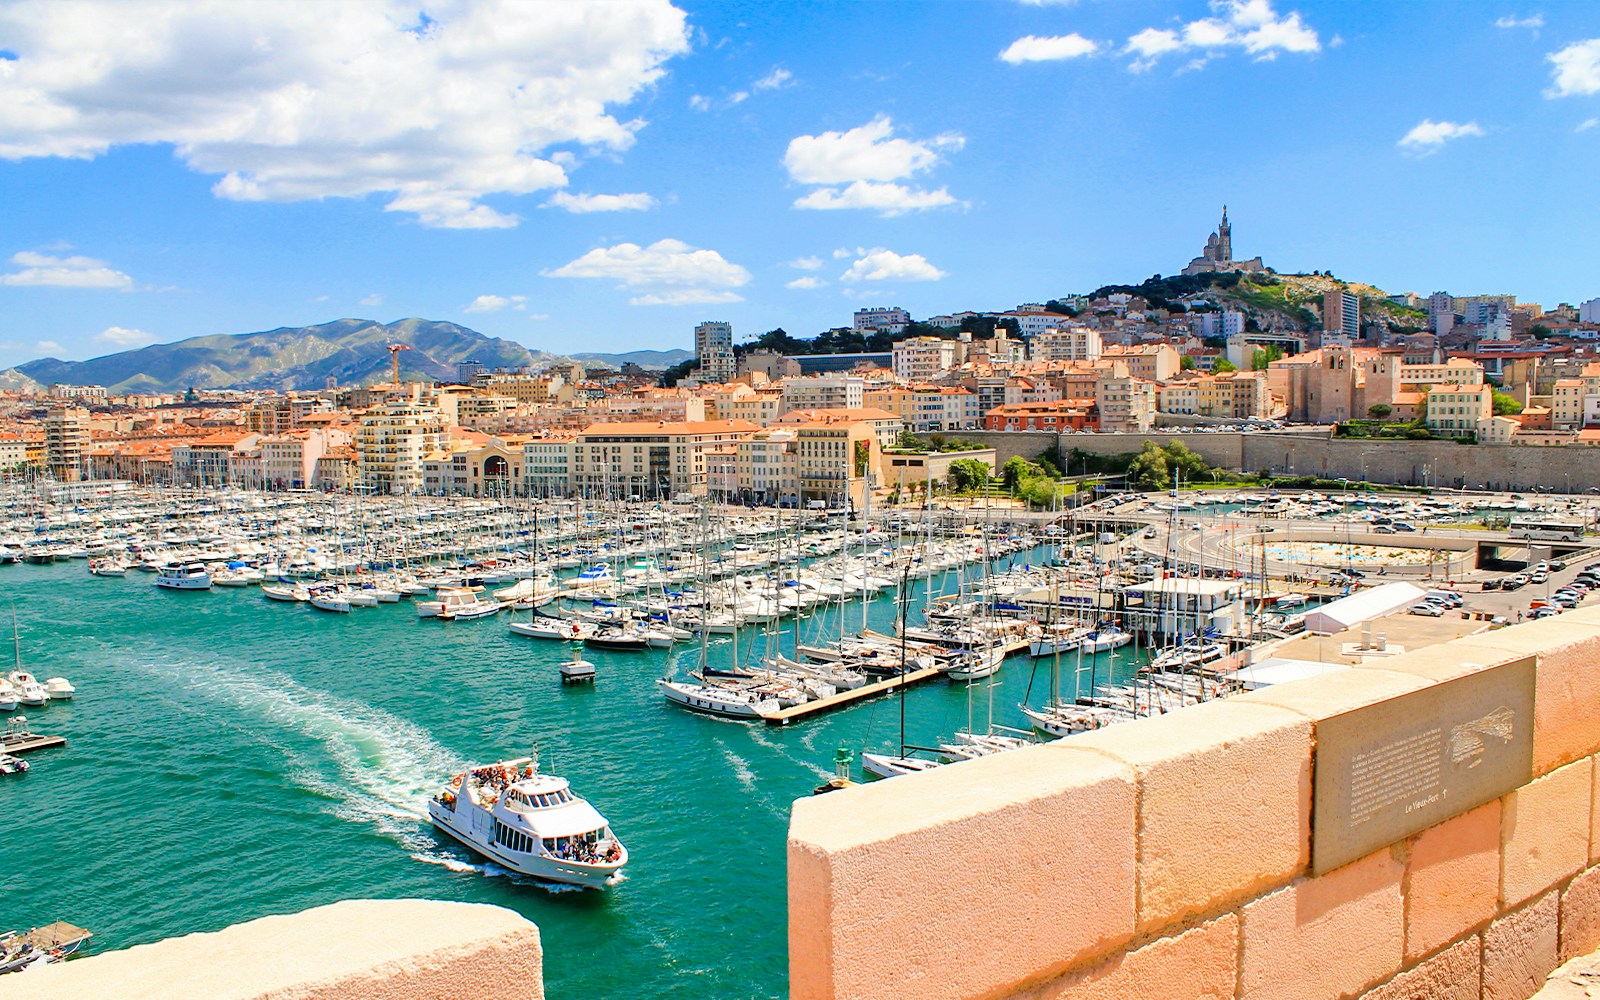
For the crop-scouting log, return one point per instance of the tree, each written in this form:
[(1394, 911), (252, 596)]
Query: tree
[(1148, 470), (968, 474), (1186, 363), (1224, 365), (1264, 356), (1380, 411), (909, 442), (671, 376), (1506, 405), (1016, 471), (1540, 332)]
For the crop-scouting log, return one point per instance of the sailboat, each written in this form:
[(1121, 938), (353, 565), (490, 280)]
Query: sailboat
[(888, 765)]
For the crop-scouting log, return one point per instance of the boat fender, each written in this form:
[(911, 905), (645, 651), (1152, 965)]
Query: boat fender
[(455, 782)]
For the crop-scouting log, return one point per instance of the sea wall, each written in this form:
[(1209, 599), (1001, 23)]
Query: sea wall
[(1171, 857), (1567, 468), (374, 949)]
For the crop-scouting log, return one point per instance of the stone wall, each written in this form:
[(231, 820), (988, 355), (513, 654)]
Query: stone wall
[(1170, 857), (1567, 468), (375, 949)]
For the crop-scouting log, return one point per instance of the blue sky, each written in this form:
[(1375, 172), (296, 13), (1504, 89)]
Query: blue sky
[(604, 176)]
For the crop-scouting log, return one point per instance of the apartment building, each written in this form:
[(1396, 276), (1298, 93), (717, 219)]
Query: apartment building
[(1455, 410), (66, 439), (1151, 362), (393, 439), (547, 466), (649, 459), (890, 319), (1127, 404), (823, 392), (926, 408), (836, 461), (765, 468), (1059, 417), (920, 359), (1071, 343)]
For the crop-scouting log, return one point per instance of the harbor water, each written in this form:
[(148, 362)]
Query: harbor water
[(230, 757)]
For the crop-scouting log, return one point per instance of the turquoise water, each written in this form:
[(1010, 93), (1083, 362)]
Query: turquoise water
[(231, 757)]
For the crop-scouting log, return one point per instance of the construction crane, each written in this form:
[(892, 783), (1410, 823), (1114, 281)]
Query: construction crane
[(394, 360)]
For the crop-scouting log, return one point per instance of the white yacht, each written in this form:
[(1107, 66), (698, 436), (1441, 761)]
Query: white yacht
[(59, 689), (550, 627), (529, 822), (888, 766), (727, 702), (1104, 638), (184, 576), (9, 699), (29, 691)]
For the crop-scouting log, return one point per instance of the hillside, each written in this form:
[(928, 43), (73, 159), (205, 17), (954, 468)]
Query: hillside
[(644, 359), (1273, 301), (348, 351)]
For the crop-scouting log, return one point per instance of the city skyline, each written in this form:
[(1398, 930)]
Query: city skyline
[(658, 166)]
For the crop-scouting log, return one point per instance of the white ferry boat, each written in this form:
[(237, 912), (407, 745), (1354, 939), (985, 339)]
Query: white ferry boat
[(184, 576), (529, 822)]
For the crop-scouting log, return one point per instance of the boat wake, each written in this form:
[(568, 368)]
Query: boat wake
[(492, 870), (374, 767), (739, 766)]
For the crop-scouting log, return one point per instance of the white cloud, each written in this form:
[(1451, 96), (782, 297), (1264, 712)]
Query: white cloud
[(778, 79), (375, 299), (123, 336), (63, 272), (1534, 21), (579, 204), (319, 298), (1591, 123), (806, 263), (1249, 26), (667, 272), (294, 102), (1577, 69), (536, 317), (806, 282), (885, 199), (49, 347), (1033, 48), (1429, 136), (699, 102), (866, 160), (495, 303), (879, 264)]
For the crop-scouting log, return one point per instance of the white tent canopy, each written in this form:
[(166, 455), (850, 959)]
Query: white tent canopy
[(1364, 606)]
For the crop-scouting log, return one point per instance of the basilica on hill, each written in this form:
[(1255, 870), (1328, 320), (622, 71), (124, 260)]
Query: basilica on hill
[(1218, 254)]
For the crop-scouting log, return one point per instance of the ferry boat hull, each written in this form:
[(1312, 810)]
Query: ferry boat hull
[(545, 869)]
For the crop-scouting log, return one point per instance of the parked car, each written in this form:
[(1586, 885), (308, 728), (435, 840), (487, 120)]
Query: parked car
[(1546, 612), (1426, 610), (1382, 529)]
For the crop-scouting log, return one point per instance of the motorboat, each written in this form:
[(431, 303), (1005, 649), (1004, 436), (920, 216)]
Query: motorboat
[(551, 627), (12, 765), (29, 691), (1048, 640), (620, 638), (184, 576), (889, 766), (107, 567), (974, 664), (9, 699), (285, 592), (1104, 639), (529, 822), (333, 600), (59, 689), (727, 702)]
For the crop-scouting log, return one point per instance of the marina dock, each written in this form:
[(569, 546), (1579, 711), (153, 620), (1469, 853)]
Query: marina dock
[(32, 741), (784, 716)]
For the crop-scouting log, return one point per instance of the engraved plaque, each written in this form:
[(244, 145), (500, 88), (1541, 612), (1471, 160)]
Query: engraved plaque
[(1386, 771)]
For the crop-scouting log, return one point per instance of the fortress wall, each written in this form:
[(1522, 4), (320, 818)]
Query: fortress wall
[(1170, 857), (371, 949)]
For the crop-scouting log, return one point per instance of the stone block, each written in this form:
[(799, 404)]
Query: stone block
[(1032, 849), (1453, 879), (1326, 937), (1519, 950), (1335, 693), (1450, 975), (1544, 832), (1224, 804), (1580, 915), (1199, 964)]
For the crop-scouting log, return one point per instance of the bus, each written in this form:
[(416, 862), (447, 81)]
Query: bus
[(1546, 529)]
